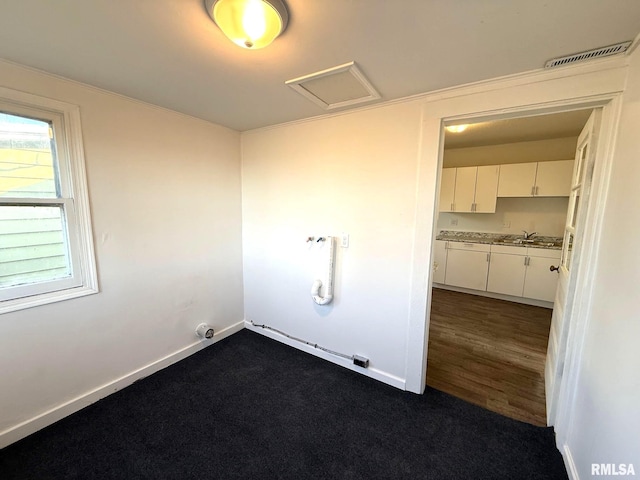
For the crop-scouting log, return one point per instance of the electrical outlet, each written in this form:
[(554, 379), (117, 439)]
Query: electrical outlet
[(506, 224), (454, 221), (360, 361), (344, 240)]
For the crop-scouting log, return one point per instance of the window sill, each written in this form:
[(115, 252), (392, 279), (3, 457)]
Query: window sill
[(9, 306)]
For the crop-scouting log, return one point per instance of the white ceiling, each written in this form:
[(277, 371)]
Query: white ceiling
[(170, 53), (512, 130)]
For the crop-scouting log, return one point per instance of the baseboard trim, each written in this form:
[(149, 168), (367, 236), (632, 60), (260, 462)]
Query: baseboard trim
[(497, 296), (371, 372), (17, 432), (569, 464)]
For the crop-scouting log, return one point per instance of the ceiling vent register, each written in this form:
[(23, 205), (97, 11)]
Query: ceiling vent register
[(336, 87), (588, 55)]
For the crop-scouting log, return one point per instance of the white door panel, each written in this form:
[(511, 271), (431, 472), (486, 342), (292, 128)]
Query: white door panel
[(558, 334)]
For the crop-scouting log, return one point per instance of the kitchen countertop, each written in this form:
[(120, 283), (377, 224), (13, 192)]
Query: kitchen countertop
[(550, 243)]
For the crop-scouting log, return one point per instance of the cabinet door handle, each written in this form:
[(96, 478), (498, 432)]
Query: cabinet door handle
[(488, 256), (452, 209), (533, 191), (536, 190), (525, 261)]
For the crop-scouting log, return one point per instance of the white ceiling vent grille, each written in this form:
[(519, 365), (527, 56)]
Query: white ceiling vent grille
[(336, 87), (588, 55)]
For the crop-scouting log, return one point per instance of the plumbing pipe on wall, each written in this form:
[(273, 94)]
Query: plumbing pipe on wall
[(315, 289)]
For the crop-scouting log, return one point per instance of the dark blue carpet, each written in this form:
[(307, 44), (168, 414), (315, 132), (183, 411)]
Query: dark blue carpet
[(250, 408)]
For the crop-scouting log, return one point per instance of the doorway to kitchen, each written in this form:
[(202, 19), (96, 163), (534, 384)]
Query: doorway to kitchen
[(504, 195)]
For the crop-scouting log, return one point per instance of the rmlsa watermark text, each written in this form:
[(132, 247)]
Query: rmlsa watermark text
[(612, 469)]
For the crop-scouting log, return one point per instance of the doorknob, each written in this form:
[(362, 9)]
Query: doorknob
[(556, 269)]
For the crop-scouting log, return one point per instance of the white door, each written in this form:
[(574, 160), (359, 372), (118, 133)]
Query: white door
[(580, 185)]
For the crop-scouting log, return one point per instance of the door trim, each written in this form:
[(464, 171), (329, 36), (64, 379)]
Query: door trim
[(590, 236)]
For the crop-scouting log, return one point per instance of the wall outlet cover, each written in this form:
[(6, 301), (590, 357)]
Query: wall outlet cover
[(344, 240)]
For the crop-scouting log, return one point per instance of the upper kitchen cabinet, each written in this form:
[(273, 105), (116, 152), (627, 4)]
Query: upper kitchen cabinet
[(536, 179), (469, 189), (553, 179), (447, 189), (486, 189)]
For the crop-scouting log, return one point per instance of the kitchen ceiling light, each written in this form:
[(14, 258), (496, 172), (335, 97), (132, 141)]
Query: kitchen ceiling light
[(250, 24), (456, 128)]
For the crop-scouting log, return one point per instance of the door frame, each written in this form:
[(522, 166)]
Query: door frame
[(610, 103)]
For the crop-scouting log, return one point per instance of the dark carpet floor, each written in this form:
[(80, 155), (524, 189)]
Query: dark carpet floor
[(249, 407)]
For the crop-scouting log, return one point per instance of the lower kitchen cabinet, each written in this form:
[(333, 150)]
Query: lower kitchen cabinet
[(540, 282), (439, 261), (467, 265), (516, 271), (507, 268)]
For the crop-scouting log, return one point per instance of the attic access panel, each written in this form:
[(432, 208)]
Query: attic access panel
[(336, 87)]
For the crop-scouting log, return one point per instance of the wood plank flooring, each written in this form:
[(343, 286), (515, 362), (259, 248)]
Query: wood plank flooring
[(489, 352)]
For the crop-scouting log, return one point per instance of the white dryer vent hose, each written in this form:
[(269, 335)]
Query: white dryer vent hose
[(315, 289)]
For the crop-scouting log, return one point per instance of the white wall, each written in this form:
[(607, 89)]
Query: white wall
[(519, 152), (354, 173), (606, 415), (165, 198), (543, 215)]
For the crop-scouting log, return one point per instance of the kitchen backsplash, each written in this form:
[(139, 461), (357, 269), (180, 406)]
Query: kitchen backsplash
[(513, 215)]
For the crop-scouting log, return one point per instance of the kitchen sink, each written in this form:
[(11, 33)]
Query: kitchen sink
[(523, 242), (516, 241)]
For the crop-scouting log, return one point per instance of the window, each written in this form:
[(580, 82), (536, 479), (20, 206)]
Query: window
[(46, 248)]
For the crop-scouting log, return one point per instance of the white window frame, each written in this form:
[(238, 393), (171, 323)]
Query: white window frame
[(74, 200)]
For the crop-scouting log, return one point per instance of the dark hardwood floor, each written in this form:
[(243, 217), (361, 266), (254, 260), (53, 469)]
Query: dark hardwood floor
[(489, 352)]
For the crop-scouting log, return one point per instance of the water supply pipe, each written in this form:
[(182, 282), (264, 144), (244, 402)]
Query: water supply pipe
[(315, 288)]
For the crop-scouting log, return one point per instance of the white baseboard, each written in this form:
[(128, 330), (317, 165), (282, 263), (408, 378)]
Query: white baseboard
[(497, 296), (572, 471), (343, 362), (17, 432)]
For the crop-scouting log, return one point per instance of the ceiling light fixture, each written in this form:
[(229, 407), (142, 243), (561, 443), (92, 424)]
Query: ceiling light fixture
[(250, 24), (456, 128)]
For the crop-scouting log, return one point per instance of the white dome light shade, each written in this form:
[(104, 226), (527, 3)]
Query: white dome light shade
[(249, 24)]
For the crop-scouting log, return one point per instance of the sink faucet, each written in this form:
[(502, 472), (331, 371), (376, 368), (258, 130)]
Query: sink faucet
[(527, 235)]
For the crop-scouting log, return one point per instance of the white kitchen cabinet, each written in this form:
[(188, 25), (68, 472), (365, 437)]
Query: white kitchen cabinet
[(507, 267), (553, 179), (517, 179), (465, 189), (467, 265), (535, 179), (439, 261), (486, 189), (469, 189), (447, 189), (540, 283)]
